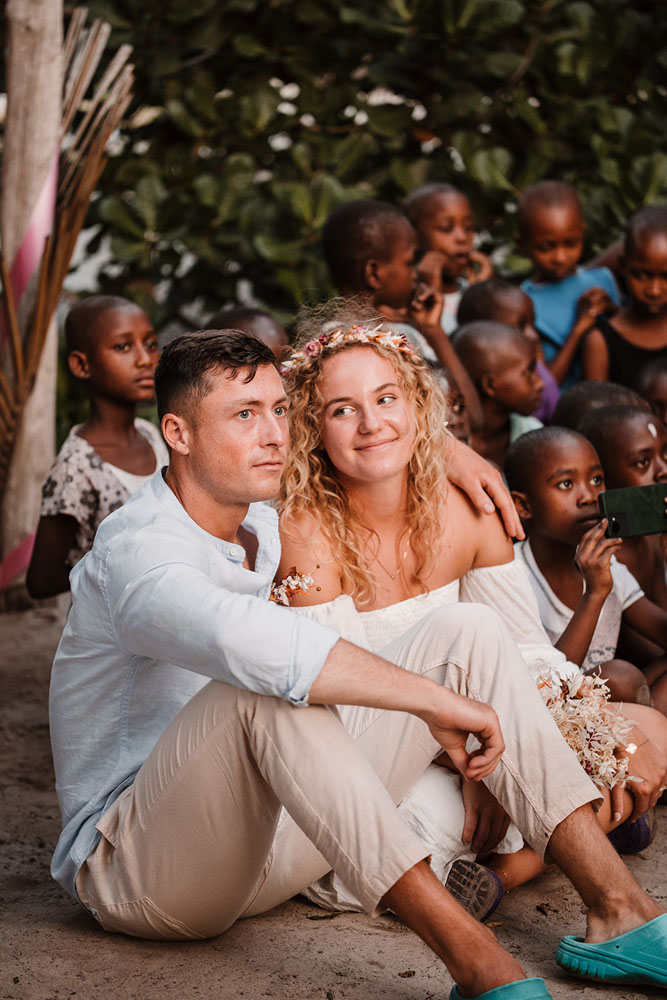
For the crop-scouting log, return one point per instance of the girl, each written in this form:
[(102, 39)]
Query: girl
[(368, 512), (112, 347), (617, 349)]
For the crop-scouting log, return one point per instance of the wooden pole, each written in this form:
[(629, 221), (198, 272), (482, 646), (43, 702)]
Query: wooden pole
[(31, 140)]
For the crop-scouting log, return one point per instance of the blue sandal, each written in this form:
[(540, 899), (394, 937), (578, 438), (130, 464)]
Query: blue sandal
[(521, 989), (638, 957)]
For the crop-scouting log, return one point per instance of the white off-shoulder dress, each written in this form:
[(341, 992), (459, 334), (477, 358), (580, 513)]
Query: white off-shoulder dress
[(434, 806)]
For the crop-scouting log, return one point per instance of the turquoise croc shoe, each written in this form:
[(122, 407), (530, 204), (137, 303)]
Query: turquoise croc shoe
[(522, 989), (638, 957)]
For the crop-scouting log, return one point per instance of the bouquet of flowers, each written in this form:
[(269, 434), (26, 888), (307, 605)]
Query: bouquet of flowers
[(579, 706)]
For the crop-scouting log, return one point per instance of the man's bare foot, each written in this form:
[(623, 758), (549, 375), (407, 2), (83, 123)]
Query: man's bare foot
[(475, 959), (613, 920), (491, 967)]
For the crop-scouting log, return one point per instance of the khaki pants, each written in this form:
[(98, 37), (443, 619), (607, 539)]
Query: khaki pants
[(195, 842)]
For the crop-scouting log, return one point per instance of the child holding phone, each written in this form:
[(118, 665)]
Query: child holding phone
[(583, 592)]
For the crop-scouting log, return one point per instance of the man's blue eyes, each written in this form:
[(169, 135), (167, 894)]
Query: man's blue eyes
[(279, 411)]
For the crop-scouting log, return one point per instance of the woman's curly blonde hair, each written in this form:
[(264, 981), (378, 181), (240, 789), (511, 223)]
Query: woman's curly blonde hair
[(310, 484)]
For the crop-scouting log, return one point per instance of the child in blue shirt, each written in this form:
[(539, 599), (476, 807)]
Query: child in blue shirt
[(567, 298)]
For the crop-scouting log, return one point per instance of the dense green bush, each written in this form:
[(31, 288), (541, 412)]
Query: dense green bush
[(253, 118)]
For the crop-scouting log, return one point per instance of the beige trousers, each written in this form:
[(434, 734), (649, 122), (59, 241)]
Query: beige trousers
[(195, 842)]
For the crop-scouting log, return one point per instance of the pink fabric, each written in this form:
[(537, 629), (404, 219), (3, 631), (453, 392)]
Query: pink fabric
[(24, 266), (16, 561), (30, 252)]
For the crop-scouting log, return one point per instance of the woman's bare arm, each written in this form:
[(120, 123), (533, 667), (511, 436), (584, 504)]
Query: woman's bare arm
[(305, 549)]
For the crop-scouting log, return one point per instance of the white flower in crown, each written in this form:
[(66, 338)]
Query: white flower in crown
[(356, 334)]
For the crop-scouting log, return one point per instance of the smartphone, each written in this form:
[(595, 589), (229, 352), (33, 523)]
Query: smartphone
[(635, 510)]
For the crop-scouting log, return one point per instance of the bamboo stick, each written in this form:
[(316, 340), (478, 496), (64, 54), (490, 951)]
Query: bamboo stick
[(5, 410), (109, 75), (41, 318), (12, 320), (93, 49), (76, 23), (104, 122), (6, 394)]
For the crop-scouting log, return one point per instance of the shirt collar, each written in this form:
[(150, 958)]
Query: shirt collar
[(261, 520)]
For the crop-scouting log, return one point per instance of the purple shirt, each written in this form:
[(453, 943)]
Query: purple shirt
[(550, 394)]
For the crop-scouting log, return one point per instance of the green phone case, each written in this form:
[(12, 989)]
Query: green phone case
[(635, 510)]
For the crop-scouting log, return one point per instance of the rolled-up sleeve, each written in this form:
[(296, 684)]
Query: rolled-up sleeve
[(170, 609)]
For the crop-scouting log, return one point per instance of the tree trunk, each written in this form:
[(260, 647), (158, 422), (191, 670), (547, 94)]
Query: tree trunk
[(31, 141)]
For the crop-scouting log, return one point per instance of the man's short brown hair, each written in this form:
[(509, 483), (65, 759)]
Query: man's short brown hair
[(182, 375)]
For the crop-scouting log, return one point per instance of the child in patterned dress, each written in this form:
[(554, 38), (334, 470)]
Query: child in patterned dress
[(113, 348)]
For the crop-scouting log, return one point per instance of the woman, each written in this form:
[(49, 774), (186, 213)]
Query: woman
[(368, 512)]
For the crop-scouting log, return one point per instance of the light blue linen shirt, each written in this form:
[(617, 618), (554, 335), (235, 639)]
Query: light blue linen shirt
[(160, 607)]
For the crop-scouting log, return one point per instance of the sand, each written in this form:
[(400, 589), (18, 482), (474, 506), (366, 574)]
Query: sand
[(50, 948)]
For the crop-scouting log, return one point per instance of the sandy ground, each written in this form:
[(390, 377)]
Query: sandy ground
[(49, 947)]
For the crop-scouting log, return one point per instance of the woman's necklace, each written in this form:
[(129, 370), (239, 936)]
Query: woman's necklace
[(401, 559)]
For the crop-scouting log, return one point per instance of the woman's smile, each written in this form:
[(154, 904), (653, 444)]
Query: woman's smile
[(366, 415)]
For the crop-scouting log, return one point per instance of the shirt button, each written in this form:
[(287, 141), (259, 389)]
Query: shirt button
[(234, 552)]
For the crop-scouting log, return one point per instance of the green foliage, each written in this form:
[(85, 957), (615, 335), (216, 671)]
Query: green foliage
[(254, 118)]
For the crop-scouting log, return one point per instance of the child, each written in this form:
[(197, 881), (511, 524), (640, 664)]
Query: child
[(257, 322), (112, 347), (505, 303), (555, 477), (370, 249), (651, 384), (443, 220), (630, 444), (618, 350), (580, 399), (567, 298), (502, 365), (458, 420)]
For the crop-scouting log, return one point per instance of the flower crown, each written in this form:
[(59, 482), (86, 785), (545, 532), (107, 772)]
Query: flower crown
[(356, 334)]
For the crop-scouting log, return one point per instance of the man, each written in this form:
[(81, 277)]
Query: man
[(180, 726)]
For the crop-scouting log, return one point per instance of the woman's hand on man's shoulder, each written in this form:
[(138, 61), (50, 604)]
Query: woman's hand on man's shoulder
[(484, 485)]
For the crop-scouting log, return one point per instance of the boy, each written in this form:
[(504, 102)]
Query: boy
[(651, 384), (503, 302), (567, 298), (631, 443), (113, 349), (371, 250), (257, 322), (444, 223), (584, 397), (458, 420), (502, 364), (584, 595)]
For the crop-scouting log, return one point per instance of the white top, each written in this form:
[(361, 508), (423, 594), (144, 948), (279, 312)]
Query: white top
[(130, 481), (83, 486), (505, 588), (556, 615)]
